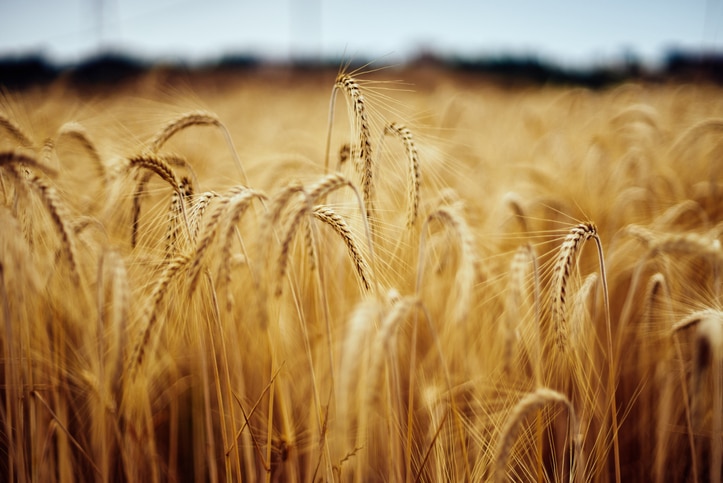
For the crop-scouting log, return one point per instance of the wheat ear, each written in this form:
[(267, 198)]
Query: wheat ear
[(11, 159), (58, 213), (15, 131), (413, 156), (179, 199), (295, 219), (513, 201), (679, 243), (350, 86), (158, 165), (714, 125), (568, 253), (708, 359), (236, 208), (151, 316), (328, 216), (136, 205), (76, 132), (195, 118), (197, 210), (212, 227), (466, 271), (529, 405)]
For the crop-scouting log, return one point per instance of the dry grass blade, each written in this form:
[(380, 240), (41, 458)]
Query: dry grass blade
[(328, 216), (413, 156)]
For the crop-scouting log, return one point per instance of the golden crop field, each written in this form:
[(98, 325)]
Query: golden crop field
[(372, 276)]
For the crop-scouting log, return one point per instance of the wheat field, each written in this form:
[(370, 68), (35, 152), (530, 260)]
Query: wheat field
[(365, 276)]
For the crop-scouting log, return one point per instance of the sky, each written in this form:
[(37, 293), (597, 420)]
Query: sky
[(570, 32)]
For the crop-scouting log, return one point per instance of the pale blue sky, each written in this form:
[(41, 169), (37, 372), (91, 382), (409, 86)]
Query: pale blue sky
[(568, 31)]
